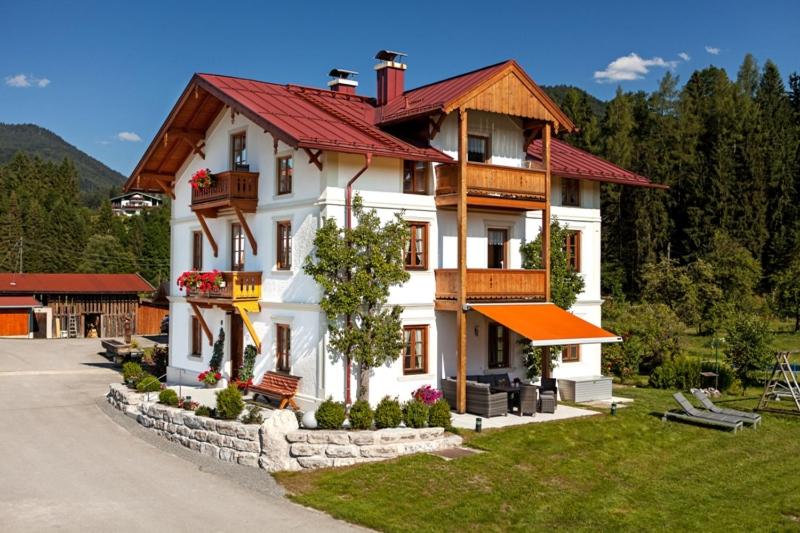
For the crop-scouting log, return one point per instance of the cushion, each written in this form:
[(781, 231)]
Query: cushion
[(502, 381)]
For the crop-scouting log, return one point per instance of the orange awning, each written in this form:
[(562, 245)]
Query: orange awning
[(545, 324)]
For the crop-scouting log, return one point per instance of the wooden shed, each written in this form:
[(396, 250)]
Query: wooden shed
[(82, 305)]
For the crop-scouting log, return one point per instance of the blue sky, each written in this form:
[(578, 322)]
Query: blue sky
[(104, 74)]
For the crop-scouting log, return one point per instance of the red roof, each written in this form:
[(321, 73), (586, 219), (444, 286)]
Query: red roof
[(566, 161), (314, 118), (72, 283), (16, 302)]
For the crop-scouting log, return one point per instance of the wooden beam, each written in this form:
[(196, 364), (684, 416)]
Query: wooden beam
[(202, 322), (242, 309), (166, 185), (207, 231), (546, 212), (314, 157), (194, 138), (435, 125), (461, 220), (246, 227)]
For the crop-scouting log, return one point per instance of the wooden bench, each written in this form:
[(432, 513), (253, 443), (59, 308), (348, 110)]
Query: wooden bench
[(279, 386)]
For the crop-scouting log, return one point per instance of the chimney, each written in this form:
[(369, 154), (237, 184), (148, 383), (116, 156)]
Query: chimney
[(391, 75), (343, 81)]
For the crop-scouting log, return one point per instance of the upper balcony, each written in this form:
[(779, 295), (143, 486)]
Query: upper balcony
[(231, 189), (493, 186), (490, 284), (236, 288)]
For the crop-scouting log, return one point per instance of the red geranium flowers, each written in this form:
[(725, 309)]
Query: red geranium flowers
[(200, 281), (202, 179)]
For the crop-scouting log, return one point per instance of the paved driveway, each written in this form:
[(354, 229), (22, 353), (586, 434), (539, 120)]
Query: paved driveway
[(69, 463)]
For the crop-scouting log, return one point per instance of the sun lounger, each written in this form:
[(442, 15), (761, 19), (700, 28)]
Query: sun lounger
[(750, 419), (707, 418)]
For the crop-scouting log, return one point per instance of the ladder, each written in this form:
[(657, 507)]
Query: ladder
[(782, 384), (72, 328)]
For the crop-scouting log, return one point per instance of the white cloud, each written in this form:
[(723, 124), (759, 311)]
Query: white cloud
[(128, 136), (684, 56), (714, 51), (630, 67), (26, 80)]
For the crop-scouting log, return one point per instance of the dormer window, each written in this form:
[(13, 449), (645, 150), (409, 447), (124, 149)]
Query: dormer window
[(239, 152), (415, 177), (478, 149)]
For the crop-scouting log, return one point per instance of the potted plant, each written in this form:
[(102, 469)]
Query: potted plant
[(209, 377), (203, 179)]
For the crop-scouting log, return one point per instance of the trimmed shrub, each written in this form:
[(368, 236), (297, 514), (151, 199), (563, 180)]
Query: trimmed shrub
[(132, 373), (682, 373), (361, 415), (253, 415), (148, 384), (439, 414), (204, 410), (415, 414), (663, 377), (168, 397), (388, 413), (229, 403), (330, 414)]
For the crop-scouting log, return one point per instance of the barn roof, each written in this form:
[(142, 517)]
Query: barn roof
[(566, 161), (13, 283)]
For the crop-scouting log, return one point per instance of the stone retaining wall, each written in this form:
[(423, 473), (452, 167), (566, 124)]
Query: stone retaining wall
[(278, 444)]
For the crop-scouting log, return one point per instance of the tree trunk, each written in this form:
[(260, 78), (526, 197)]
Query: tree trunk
[(363, 382)]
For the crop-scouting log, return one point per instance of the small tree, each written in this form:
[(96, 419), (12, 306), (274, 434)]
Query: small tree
[(219, 351), (786, 296), (748, 344), (356, 269), (565, 285), (651, 335)]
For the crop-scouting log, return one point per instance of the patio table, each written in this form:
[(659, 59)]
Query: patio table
[(513, 394)]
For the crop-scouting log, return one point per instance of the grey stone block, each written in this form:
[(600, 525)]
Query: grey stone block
[(300, 449), (338, 451), (315, 462)]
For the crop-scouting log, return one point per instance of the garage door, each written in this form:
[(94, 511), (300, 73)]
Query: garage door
[(14, 322)]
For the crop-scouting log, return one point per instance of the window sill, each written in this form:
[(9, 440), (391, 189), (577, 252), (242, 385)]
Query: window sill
[(415, 377), (281, 272)]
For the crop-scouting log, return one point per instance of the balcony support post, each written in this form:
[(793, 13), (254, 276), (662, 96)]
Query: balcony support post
[(207, 231), (243, 308), (546, 235), (202, 322), (461, 217), (246, 227)]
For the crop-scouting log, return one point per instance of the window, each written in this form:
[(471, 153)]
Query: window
[(197, 336), (239, 152), (478, 148), (415, 349), (284, 243), (283, 349), (197, 250), (284, 173), (497, 244), (237, 247), (574, 250), (570, 192), (498, 346), (417, 247), (415, 177), (571, 353)]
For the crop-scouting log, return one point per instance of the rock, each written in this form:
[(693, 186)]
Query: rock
[(344, 462), (314, 462), (192, 422), (225, 427), (226, 454), (297, 436), (301, 449), (342, 451), (247, 459), (274, 446), (379, 451), (310, 420), (325, 437), (430, 433), (246, 446), (200, 435), (363, 438), (210, 450)]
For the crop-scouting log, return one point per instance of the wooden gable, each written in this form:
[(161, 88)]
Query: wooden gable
[(512, 92)]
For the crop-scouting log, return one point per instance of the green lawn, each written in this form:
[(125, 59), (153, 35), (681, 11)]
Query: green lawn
[(700, 345), (628, 472)]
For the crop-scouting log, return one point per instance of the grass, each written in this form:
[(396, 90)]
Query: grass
[(700, 345), (628, 472)]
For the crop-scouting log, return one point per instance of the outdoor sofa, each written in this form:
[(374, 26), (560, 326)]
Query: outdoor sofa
[(480, 398)]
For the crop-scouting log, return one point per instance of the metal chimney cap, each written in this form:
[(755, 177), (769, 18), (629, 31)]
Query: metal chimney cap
[(389, 55), (342, 73)]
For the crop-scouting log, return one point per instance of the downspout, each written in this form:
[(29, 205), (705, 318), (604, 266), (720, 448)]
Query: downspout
[(348, 207)]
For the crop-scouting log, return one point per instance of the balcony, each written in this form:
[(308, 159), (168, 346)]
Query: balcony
[(493, 186), (490, 284), (232, 189), (237, 288)]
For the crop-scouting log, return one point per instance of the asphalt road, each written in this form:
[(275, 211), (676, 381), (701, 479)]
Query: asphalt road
[(69, 462)]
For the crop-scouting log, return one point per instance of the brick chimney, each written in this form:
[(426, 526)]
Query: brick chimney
[(391, 75), (342, 81)]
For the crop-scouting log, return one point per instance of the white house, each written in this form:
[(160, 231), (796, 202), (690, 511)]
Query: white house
[(284, 156), (133, 203)]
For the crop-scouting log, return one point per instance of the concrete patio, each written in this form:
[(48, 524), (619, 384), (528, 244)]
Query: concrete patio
[(563, 412)]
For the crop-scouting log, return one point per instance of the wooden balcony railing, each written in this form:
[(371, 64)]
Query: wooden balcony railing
[(493, 181), (231, 189), (237, 287), (492, 284)]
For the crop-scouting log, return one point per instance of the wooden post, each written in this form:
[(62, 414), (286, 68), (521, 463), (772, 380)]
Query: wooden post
[(461, 216), (546, 235)]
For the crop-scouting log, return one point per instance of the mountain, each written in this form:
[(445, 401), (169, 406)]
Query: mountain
[(558, 92), (95, 177)]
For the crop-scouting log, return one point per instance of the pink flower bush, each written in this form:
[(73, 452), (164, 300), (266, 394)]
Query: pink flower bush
[(427, 395)]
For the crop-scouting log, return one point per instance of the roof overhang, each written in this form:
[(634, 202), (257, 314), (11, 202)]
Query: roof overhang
[(545, 324)]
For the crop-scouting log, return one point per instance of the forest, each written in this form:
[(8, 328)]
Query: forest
[(46, 227)]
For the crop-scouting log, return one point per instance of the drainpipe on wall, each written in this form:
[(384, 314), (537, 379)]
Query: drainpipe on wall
[(348, 207)]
